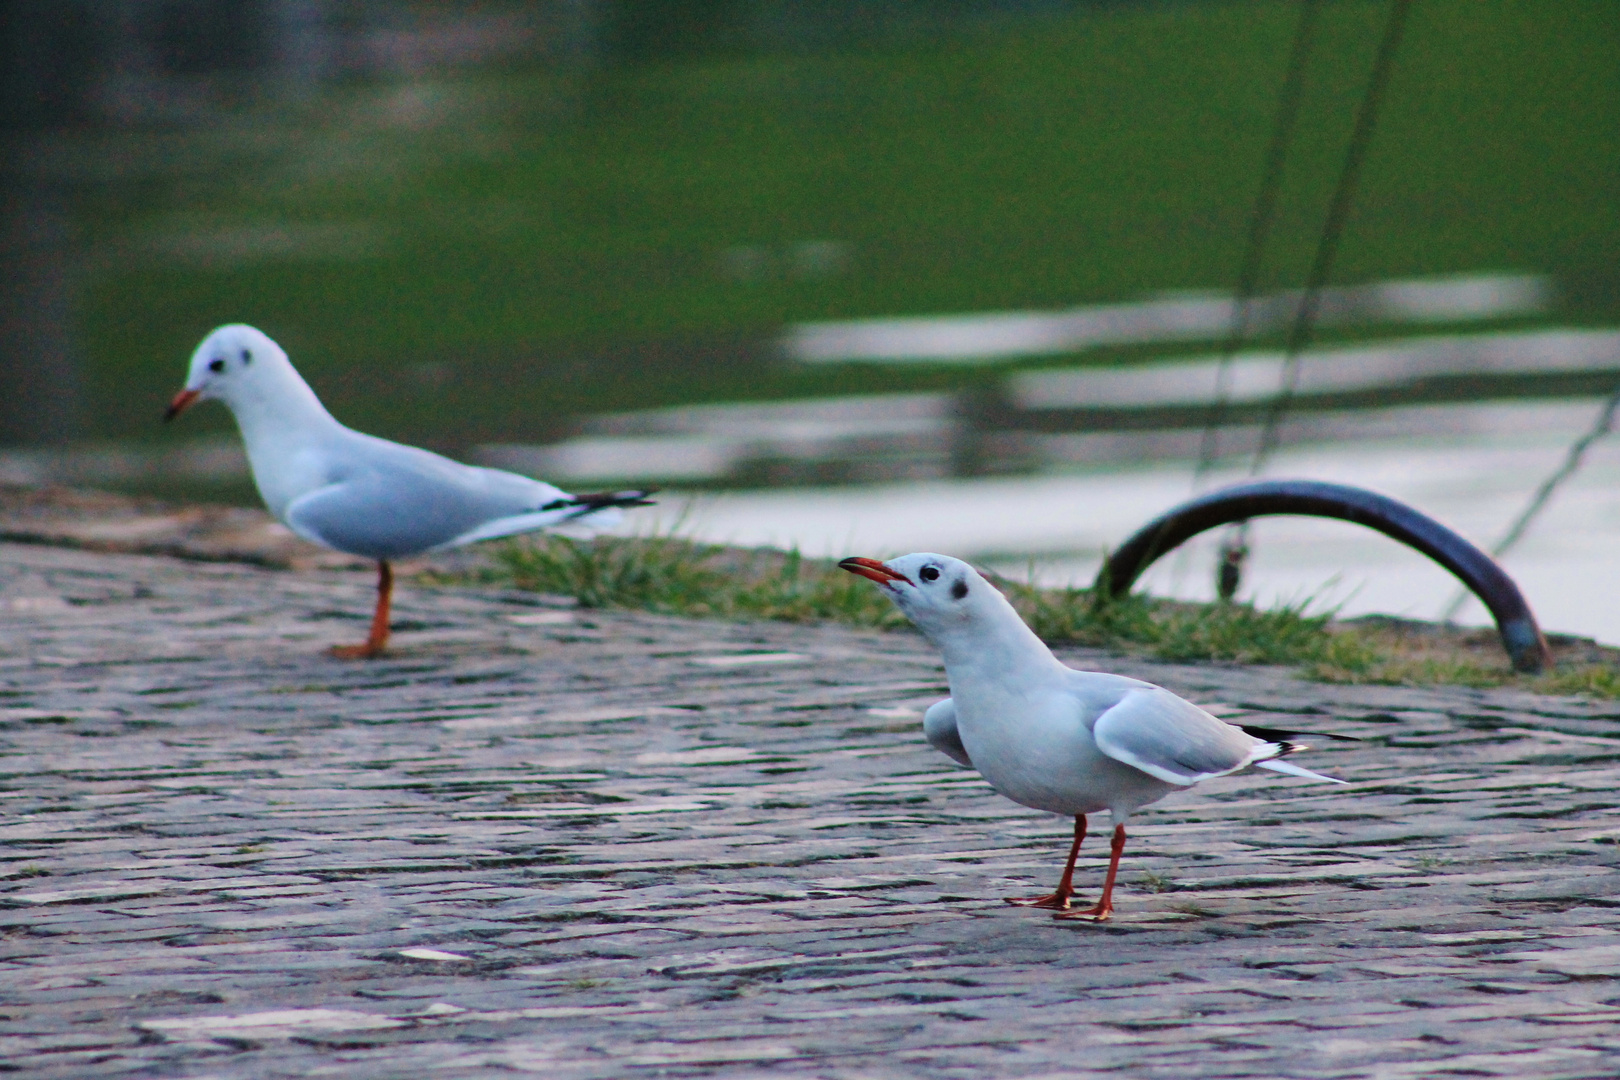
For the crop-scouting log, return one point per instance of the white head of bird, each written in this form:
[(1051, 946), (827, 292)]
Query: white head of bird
[(250, 373), (955, 608)]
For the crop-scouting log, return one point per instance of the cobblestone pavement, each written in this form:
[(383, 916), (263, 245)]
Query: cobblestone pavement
[(616, 845)]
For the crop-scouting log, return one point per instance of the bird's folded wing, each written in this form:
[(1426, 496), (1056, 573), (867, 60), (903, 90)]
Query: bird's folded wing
[(939, 727), (369, 516), (1174, 740), (312, 514), (391, 500)]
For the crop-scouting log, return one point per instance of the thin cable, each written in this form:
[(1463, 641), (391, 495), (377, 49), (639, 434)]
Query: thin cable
[(1260, 218), (1299, 333), (1234, 547), (1572, 463)]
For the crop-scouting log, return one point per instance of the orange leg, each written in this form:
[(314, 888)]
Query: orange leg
[(1059, 900), (379, 620), (1104, 907)]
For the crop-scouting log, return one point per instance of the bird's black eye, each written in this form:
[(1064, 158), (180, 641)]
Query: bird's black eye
[(959, 590), (247, 357), (216, 365), (929, 573)]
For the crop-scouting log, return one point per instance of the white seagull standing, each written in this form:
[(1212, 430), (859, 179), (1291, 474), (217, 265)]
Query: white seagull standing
[(358, 493), (1048, 736)]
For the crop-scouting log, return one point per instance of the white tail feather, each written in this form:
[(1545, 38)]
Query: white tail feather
[(1289, 767)]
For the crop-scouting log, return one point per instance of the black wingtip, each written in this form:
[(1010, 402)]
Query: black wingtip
[(1278, 735), (590, 502), (601, 499)]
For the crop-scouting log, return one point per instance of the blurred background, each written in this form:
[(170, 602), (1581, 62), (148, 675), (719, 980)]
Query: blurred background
[(857, 276)]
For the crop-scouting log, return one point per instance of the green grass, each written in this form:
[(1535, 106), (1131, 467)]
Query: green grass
[(1384, 662), (679, 577), (675, 576), (1169, 630), (522, 226)]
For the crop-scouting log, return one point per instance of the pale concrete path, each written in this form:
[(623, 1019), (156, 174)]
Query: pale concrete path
[(619, 845)]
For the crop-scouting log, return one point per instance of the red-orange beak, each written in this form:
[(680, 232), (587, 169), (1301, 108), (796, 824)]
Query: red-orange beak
[(182, 401), (871, 568)]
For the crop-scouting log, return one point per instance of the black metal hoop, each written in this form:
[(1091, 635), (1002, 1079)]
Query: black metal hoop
[(1521, 636)]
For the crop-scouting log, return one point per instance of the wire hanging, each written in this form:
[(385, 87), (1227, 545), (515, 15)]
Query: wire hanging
[(1235, 545), (1574, 458), (1259, 232), (1327, 248), (1254, 251)]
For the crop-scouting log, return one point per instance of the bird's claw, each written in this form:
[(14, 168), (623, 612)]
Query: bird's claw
[(1053, 901), (367, 651), (1096, 913)]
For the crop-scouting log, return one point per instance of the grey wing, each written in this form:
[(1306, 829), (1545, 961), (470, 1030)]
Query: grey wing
[(379, 521), (404, 501), (939, 727), (1174, 740)]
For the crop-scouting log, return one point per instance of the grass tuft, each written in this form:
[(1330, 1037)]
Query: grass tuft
[(1172, 630), (681, 577), (1156, 883), (1598, 680), (676, 576)]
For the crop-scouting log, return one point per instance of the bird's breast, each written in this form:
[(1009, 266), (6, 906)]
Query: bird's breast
[(283, 474)]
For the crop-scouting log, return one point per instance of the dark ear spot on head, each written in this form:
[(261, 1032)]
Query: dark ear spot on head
[(247, 357), (959, 589)]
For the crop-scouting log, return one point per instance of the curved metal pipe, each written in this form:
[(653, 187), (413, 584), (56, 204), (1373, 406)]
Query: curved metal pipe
[(1522, 638)]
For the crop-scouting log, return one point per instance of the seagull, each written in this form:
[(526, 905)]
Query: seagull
[(357, 493), (1053, 738)]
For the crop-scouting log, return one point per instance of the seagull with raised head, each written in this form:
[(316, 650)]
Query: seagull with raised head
[(1051, 737), (360, 494)]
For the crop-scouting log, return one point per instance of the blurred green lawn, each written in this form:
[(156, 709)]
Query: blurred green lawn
[(528, 244)]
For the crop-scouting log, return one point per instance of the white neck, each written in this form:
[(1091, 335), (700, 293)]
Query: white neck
[(997, 646), (276, 403), (281, 420)]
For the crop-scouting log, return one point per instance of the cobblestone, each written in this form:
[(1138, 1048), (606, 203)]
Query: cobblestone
[(602, 844)]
